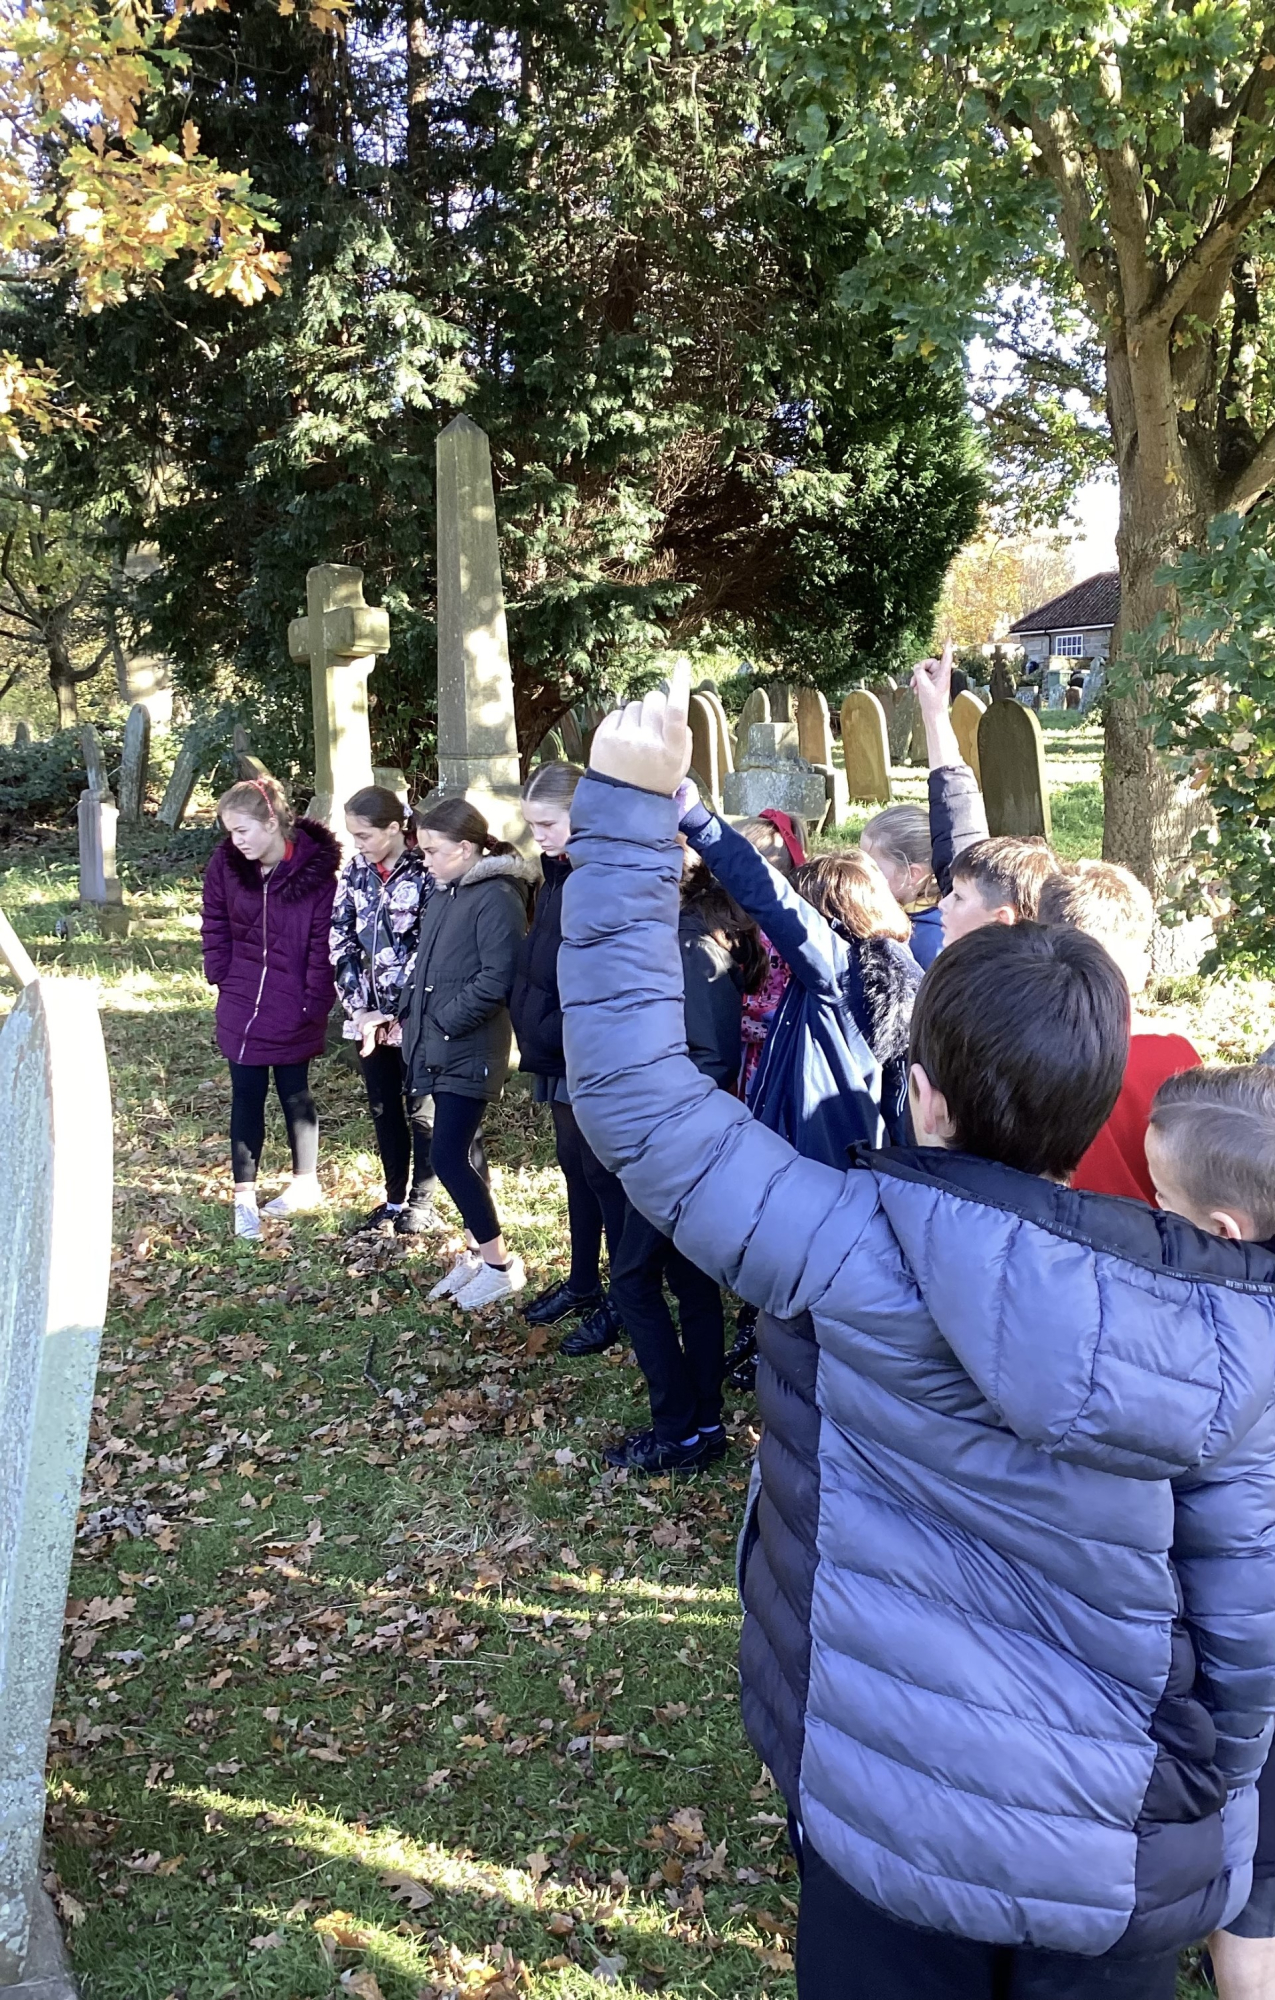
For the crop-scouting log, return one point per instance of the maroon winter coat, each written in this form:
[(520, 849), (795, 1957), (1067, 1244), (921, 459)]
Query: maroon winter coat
[(266, 948)]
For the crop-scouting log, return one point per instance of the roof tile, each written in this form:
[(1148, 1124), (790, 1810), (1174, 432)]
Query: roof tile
[(1096, 601)]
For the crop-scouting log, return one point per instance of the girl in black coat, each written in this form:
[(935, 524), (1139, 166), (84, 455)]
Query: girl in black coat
[(595, 1199), (454, 1018)]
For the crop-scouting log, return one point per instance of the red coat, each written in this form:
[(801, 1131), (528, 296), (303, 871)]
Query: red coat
[(1116, 1163), (266, 948)]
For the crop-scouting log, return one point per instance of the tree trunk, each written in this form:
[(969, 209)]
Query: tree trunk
[(67, 699), (417, 94)]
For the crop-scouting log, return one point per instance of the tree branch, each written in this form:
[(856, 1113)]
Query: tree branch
[(1060, 162), (1248, 485), (1201, 261)]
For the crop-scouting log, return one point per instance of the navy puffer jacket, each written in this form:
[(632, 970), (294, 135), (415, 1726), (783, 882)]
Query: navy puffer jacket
[(1009, 1568)]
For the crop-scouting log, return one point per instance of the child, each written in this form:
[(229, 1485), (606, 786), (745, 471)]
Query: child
[(1111, 905), (454, 1016), (376, 922), (898, 840), (595, 1199), (268, 893), (780, 846), (1211, 1157), (1017, 1465), (822, 1080)]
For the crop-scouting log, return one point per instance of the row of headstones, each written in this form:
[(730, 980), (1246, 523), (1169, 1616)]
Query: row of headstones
[(1001, 742)]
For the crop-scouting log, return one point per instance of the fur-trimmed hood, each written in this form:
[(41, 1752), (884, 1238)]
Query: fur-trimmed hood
[(889, 977), (488, 866), (315, 861)]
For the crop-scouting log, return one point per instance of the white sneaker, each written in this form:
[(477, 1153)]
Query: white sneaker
[(467, 1266), (247, 1221), (491, 1284), (302, 1192)]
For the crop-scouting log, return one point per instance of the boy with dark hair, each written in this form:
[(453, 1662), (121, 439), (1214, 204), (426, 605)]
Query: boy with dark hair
[(1009, 1584), (1109, 904)]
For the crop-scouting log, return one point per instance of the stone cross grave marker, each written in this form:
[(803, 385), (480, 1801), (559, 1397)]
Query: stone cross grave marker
[(340, 636), (177, 792), (967, 713), (756, 709), (772, 772), (814, 740), (96, 820), (477, 739), (1011, 755), (55, 1257), (135, 761), (865, 744), (705, 751)]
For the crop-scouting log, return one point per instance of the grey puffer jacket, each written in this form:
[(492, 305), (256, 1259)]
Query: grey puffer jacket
[(455, 1006), (1009, 1562)]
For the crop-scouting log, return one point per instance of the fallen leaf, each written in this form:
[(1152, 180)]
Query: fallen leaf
[(538, 1864), (406, 1889), (267, 1943), (363, 1984)]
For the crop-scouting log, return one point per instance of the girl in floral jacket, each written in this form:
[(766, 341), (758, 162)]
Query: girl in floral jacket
[(376, 923)]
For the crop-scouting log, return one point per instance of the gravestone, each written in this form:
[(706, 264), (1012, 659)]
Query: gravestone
[(135, 761), (1011, 755), (22, 734), (341, 637), (1073, 697), (901, 722), (967, 713), (55, 1253), (780, 696), (572, 738), (94, 761), (477, 740), (1004, 682), (814, 740), (551, 750), (96, 820), (721, 722), (391, 779), (772, 772), (756, 709), (177, 793), (1092, 689), (1054, 686), (865, 745), (705, 757), (247, 767)]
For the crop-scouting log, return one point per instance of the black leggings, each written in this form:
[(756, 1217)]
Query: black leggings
[(403, 1144), (595, 1200), (460, 1162), (249, 1083)]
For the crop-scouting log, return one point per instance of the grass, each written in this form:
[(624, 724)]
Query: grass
[(376, 1680)]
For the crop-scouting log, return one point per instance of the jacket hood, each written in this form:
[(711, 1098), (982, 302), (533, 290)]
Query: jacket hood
[(1099, 1330), (890, 976), (316, 861), (488, 866)]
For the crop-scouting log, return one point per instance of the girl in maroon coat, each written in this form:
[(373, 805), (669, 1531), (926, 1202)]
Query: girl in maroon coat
[(268, 893)]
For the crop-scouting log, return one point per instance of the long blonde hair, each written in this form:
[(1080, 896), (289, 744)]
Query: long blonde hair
[(849, 889)]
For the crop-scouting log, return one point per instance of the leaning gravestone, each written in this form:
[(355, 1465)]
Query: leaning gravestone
[(477, 739), (967, 713), (755, 709), (705, 757), (248, 768), (177, 793), (96, 820), (1011, 755), (135, 761), (55, 1255), (22, 734), (814, 740), (340, 636), (865, 745)]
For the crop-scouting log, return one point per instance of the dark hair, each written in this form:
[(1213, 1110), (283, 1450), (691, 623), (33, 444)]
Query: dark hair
[(1218, 1127), (849, 889), (1008, 871), (379, 807), (261, 798), (723, 919), (552, 784), (456, 819), (1025, 1031)]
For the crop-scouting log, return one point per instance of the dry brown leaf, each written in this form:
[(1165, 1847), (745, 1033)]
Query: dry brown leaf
[(406, 1889)]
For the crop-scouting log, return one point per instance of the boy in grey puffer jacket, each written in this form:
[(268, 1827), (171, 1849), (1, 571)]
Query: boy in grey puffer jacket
[(1009, 1570)]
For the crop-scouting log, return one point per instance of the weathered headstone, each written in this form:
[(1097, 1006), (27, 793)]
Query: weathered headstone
[(772, 772), (967, 713), (340, 636), (1073, 698), (477, 740), (782, 707), (1054, 686), (177, 793), (814, 740), (94, 761), (725, 745), (135, 761), (572, 737), (865, 745), (756, 709), (705, 757), (22, 734), (551, 750), (391, 779), (901, 721), (247, 767), (96, 820), (1011, 755), (1092, 689), (55, 1233)]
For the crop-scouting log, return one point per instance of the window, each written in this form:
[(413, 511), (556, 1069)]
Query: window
[(1070, 643)]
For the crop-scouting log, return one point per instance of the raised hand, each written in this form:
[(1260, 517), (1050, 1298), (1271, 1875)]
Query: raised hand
[(648, 743), (932, 680)]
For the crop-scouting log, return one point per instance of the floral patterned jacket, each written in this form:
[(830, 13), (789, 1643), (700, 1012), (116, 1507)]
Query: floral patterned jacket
[(375, 927)]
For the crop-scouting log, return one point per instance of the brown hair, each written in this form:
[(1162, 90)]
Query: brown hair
[(1008, 872), (379, 806), (457, 820), (261, 798), (723, 919), (770, 844), (1101, 898), (1026, 1033), (903, 832), (1218, 1127), (849, 889), (552, 784)]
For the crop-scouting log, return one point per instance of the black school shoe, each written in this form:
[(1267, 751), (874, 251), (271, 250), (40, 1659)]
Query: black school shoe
[(381, 1219), (559, 1302), (713, 1444), (644, 1452), (417, 1218), (594, 1335)]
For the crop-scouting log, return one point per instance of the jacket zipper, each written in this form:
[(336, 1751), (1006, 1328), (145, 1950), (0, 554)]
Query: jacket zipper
[(376, 931), (265, 967)]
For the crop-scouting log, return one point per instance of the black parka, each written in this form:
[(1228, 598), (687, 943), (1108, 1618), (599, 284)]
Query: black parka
[(455, 1010), (534, 1005)]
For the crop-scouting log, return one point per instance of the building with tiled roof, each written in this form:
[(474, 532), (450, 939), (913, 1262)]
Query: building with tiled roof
[(1076, 625)]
